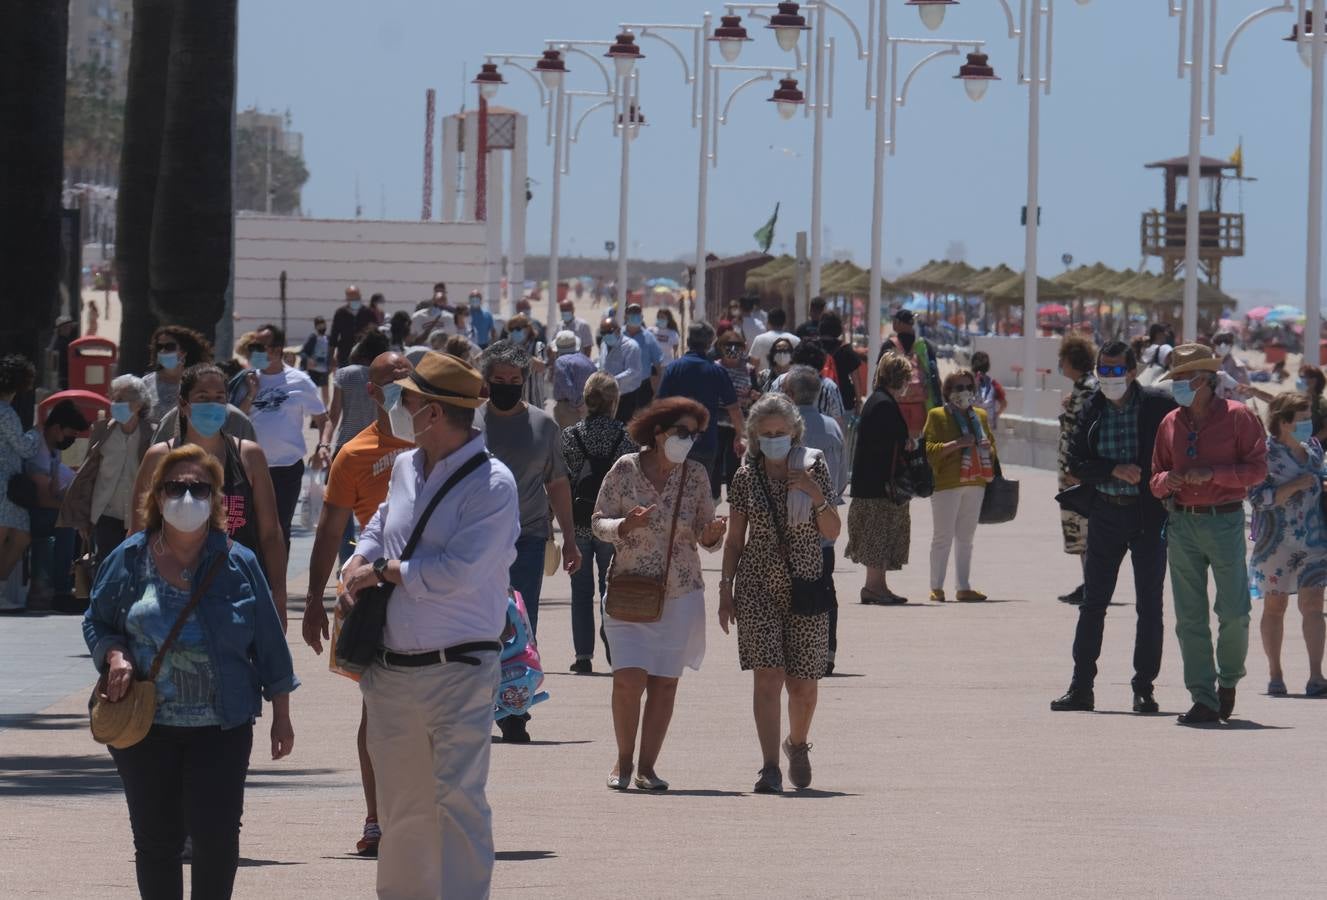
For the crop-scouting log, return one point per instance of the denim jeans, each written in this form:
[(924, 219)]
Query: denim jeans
[(593, 551), (527, 574), (186, 782)]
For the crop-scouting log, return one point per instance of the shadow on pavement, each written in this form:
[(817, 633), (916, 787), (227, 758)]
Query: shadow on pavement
[(497, 740), (34, 776), (257, 863), (44, 722), (697, 792), (813, 794), (523, 855)]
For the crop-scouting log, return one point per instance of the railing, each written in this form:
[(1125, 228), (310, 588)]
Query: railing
[(1219, 234)]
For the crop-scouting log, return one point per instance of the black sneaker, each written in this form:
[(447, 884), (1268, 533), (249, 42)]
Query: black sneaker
[(1226, 696), (583, 667), (770, 781), (1200, 714), (1144, 702), (1074, 700), (513, 730), (1074, 597)]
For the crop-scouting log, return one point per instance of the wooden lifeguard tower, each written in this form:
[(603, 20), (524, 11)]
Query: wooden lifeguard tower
[(1220, 234)]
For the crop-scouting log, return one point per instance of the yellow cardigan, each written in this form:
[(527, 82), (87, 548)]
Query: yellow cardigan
[(941, 428)]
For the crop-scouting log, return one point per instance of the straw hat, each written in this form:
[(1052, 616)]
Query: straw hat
[(438, 376), (1187, 358)]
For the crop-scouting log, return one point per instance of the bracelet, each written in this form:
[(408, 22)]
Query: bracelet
[(821, 508), (321, 446), (728, 581)]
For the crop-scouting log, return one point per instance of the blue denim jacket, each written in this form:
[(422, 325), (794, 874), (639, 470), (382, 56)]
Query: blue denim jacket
[(240, 622)]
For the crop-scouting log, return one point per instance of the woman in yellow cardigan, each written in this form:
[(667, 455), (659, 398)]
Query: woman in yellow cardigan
[(961, 450)]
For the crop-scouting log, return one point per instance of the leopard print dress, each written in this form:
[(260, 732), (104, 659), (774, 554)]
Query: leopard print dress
[(769, 635)]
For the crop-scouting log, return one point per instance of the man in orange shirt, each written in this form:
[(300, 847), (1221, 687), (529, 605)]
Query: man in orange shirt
[(360, 474)]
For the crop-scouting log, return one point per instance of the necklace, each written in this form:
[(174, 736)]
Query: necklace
[(164, 550)]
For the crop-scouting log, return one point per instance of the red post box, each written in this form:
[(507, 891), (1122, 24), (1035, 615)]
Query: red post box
[(92, 365)]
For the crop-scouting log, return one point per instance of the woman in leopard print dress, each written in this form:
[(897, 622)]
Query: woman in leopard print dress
[(781, 487)]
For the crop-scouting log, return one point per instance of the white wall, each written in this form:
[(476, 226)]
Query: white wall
[(400, 260)]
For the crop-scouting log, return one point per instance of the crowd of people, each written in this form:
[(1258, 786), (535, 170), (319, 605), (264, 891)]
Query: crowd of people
[(450, 443)]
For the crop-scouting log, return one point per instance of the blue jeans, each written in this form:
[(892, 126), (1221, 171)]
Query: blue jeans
[(527, 574), (593, 551), (52, 550)]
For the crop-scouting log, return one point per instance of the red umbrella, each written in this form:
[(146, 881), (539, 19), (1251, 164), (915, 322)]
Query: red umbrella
[(1052, 309)]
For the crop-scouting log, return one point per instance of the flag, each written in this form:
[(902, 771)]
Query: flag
[(765, 235), (1237, 159)]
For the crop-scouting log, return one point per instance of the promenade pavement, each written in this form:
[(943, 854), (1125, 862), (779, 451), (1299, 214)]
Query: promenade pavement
[(939, 770)]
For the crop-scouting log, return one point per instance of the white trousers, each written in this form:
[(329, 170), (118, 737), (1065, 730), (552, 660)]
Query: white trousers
[(428, 737), (954, 518)]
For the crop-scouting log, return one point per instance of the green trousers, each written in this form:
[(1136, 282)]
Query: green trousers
[(1198, 543)]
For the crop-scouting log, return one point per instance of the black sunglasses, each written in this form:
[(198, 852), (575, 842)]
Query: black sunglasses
[(1112, 371), (167, 348), (683, 432), (199, 490), (256, 348)]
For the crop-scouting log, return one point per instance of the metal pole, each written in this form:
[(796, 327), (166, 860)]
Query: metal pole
[(1313, 274), (1030, 232), (1191, 221), (629, 113), (703, 184), (882, 102), (817, 158), (558, 138)]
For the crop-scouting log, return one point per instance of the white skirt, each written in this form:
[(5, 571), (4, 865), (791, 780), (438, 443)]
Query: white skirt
[(663, 648)]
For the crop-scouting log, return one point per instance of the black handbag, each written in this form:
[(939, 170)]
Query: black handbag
[(810, 596), (1000, 502), (361, 632), (914, 478)]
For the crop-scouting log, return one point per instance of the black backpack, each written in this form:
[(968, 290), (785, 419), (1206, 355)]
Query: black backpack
[(585, 489)]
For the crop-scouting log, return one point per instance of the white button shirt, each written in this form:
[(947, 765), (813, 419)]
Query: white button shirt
[(454, 586), (625, 363)]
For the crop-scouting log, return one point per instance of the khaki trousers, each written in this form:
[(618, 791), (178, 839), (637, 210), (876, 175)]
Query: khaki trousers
[(428, 737)]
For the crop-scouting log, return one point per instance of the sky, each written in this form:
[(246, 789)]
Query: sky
[(354, 76)]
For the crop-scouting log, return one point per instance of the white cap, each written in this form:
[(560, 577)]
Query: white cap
[(566, 342)]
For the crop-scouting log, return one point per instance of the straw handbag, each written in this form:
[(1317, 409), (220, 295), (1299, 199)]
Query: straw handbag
[(640, 598)]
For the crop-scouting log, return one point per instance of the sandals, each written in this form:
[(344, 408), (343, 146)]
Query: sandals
[(888, 598)]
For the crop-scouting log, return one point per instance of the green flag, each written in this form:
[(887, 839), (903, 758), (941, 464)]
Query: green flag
[(765, 235)]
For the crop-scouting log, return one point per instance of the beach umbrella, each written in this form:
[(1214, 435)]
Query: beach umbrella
[(1052, 309), (1258, 312), (1283, 314), (667, 283)]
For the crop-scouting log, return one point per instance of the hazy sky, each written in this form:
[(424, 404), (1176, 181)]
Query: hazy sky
[(354, 76)]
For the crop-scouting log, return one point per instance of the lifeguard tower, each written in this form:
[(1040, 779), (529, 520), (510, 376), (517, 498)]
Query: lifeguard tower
[(1220, 234)]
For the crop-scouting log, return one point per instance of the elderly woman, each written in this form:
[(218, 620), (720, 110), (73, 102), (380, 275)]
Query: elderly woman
[(16, 376), (99, 502), (186, 777), (246, 487), (590, 448), (655, 508), (961, 450), (879, 522), (782, 505), (1289, 543), (1077, 363)]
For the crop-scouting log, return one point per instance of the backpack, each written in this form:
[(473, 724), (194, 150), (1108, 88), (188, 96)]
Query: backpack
[(585, 489)]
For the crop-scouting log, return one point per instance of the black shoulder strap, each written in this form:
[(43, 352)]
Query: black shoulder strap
[(466, 468)]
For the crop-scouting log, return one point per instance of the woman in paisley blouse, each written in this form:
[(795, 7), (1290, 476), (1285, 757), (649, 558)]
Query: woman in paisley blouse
[(1077, 359), (634, 513)]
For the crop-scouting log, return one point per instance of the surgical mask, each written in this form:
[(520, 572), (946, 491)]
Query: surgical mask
[(783, 359), (259, 359), (661, 323), (676, 448), (568, 316), (504, 396), (168, 360), (1301, 384), (476, 303), (187, 513), (355, 305), (207, 418), (121, 412), (611, 339), (635, 320), (517, 336), (1303, 430), (1113, 388), (402, 422), (776, 447), (961, 399), (1183, 393), (1222, 349), (391, 395)]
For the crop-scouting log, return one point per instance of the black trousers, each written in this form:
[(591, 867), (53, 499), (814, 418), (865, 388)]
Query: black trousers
[(827, 562), (286, 484), (627, 404), (1111, 532), (107, 534), (186, 782), (726, 462)]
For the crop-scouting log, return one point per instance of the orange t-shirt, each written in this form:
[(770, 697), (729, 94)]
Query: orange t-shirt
[(362, 472)]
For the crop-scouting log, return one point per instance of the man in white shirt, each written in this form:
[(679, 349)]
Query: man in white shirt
[(575, 324), (436, 316), (621, 357), (751, 323), (760, 347), (431, 692), (277, 400)]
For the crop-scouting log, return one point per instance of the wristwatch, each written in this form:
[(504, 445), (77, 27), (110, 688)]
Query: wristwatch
[(380, 569)]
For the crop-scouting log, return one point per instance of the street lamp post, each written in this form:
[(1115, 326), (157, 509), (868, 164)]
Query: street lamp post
[(1311, 42)]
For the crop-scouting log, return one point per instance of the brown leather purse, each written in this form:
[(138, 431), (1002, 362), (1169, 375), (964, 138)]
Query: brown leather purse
[(640, 598)]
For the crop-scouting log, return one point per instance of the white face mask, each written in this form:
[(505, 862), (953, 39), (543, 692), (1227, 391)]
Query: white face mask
[(1113, 388), (961, 399), (1221, 350), (782, 359), (186, 513), (403, 423), (676, 448)]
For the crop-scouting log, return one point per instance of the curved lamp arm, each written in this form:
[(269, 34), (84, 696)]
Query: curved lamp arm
[(1224, 66), (603, 70)]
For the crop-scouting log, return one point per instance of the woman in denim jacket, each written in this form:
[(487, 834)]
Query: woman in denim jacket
[(187, 776)]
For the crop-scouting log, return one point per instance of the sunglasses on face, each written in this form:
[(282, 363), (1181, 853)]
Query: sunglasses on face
[(683, 432), (199, 490), (257, 348), (167, 347), (731, 348), (1112, 371)]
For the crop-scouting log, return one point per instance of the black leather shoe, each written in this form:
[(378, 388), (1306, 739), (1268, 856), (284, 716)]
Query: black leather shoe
[(1200, 714), (513, 730), (1227, 697), (583, 667), (1145, 703), (1074, 597), (1074, 701)]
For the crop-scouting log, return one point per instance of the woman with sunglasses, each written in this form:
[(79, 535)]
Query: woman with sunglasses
[(173, 349), (247, 494), (635, 512), (186, 777)]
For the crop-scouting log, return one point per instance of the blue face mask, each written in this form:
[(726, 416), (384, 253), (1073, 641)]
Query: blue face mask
[(1301, 384), (635, 320), (568, 316), (661, 323), (391, 395), (611, 339), (1183, 393), (121, 412), (259, 360), (207, 418), (517, 336), (1303, 430), (776, 447), (168, 360)]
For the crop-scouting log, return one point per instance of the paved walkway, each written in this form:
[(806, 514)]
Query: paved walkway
[(939, 770)]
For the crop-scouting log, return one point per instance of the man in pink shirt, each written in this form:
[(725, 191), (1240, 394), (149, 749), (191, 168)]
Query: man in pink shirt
[(1208, 453)]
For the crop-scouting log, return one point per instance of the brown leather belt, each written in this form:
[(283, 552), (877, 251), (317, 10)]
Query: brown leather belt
[(1216, 510)]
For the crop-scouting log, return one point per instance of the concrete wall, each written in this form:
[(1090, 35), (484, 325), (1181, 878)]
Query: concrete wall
[(401, 260)]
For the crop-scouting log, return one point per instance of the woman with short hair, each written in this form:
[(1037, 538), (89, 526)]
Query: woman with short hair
[(781, 504), (186, 777), (640, 498), (1289, 544)]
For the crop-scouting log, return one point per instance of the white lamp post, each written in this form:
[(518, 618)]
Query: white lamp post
[(932, 11), (1310, 42)]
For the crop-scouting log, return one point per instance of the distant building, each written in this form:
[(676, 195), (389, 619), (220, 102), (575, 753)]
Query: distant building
[(99, 32), (276, 125)]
